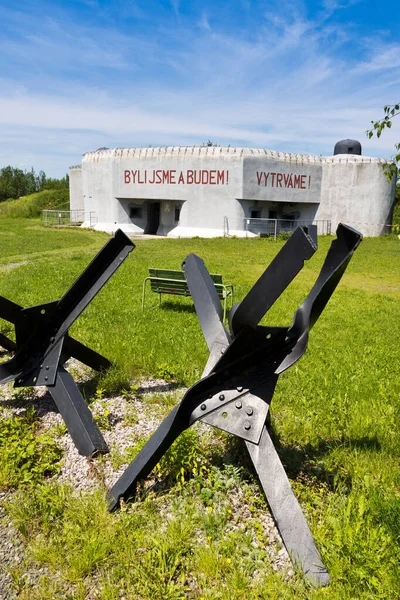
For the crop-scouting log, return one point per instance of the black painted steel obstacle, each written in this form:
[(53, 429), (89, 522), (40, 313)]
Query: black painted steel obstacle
[(43, 345), (239, 379)]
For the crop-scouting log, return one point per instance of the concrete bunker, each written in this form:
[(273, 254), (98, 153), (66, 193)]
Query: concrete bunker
[(207, 191)]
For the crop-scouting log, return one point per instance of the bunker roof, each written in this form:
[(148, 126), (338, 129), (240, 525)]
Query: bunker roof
[(225, 151)]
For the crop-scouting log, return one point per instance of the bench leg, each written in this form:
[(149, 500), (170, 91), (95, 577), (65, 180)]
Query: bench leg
[(224, 308), (144, 292)]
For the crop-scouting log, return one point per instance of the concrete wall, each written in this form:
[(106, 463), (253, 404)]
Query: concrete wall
[(208, 184), (355, 191), (76, 199), (203, 181), (281, 177), (97, 177)]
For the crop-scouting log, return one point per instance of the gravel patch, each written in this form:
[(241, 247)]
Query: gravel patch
[(272, 542), (13, 265), (90, 473), (11, 552)]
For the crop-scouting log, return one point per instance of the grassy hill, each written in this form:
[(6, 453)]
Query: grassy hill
[(31, 206)]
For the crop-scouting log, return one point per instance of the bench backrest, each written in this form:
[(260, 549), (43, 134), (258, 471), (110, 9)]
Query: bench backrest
[(166, 281)]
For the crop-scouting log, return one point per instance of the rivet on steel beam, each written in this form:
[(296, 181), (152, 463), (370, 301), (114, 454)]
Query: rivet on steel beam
[(239, 388), (52, 339), (221, 397), (249, 411), (247, 425), (203, 407), (222, 350), (238, 404), (47, 367), (46, 378)]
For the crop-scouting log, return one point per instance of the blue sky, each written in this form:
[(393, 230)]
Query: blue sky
[(286, 75)]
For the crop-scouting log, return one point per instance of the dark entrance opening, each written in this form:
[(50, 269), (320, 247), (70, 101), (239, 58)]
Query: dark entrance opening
[(153, 217)]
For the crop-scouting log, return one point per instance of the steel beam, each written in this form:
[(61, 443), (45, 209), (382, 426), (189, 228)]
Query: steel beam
[(239, 379), (43, 344)]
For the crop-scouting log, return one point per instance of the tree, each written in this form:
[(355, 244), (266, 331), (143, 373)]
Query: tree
[(390, 112), (54, 184), (15, 183)]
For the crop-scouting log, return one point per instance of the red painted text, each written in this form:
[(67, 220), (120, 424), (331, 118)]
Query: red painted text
[(283, 180), (174, 177)]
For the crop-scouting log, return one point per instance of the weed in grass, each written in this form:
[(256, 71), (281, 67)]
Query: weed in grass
[(128, 454), (186, 458), (365, 549), (65, 533), (26, 456), (130, 393), (113, 381), (39, 509), (165, 372), (102, 416), (99, 394), (156, 405), (131, 416), (166, 400), (59, 429), (24, 394)]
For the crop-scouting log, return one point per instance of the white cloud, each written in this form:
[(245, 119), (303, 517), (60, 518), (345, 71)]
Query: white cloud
[(175, 5), (203, 23), (383, 58)]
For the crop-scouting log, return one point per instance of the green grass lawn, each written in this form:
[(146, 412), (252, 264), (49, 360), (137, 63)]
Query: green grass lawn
[(335, 417)]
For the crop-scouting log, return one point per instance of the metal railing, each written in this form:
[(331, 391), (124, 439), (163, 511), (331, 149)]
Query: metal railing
[(271, 227), (65, 218)]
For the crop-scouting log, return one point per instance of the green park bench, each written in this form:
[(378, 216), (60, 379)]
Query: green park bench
[(165, 281)]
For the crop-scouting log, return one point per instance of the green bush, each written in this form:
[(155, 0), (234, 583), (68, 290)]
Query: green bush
[(396, 214)]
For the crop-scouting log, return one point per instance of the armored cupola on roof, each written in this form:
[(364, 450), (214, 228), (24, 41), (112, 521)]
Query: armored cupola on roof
[(347, 147)]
